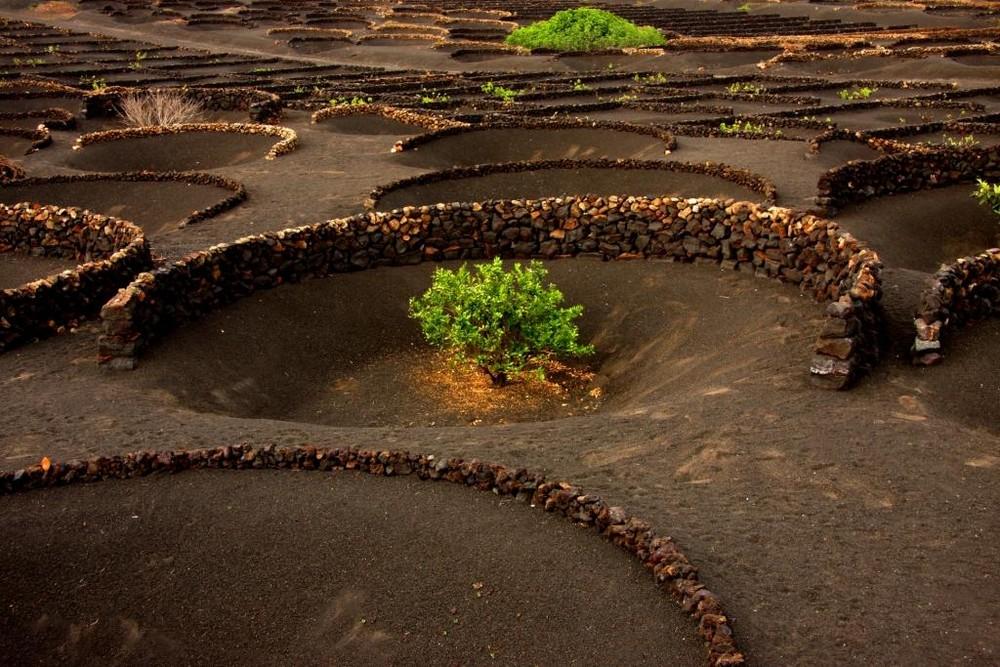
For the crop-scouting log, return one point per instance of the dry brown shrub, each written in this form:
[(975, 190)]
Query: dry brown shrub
[(159, 108)]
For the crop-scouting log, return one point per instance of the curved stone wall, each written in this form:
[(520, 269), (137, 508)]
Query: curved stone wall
[(238, 190), (111, 251), (903, 172), (770, 242), (673, 573), (741, 177), (289, 138), (398, 114), (962, 292)]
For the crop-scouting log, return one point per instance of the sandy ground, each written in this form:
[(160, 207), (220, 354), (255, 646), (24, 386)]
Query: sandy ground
[(841, 529)]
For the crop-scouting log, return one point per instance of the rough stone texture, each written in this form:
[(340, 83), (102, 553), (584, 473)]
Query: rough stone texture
[(673, 573), (962, 292), (40, 137), (111, 251), (289, 138), (742, 177), (904, 172), (239, 191), (407, 116), (770, 242)]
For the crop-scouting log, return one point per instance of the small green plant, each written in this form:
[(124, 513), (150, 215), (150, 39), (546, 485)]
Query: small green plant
[(503, 93), (657, 78), (745, 127), (29, 62), (987, 194), (857, 93), (97, 84), (356, 101), (585, 29), (261, 70), (745, 88), (626, 97), (432, 97), (299, 90), (52, 48), (505, 322), (745, 8), (579, 85), (965, 141)]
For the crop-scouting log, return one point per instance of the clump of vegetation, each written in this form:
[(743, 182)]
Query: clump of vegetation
[(97, 84), (745, 8), (356, 101), (158, 108), (585, 29), (140, 58), (503, 93), (657, 78), (965, 141), (745, 88), (432, 97), (579, 85), (857, 93), (987, 194), (745, 127), (505, 322)]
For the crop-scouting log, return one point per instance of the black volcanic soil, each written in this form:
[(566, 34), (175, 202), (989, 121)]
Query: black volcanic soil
[(550, 182), (369, 124), (17, 269), (326, 572), (173, 152), (359, 360), (157, 207), (853, 528), (515, 144)]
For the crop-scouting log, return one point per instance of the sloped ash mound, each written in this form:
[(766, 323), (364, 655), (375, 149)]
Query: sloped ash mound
[(224, 567), (183, 151), (342, 350)]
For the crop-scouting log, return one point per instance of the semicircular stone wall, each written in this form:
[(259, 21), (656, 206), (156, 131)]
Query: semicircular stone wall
[(770, 242)]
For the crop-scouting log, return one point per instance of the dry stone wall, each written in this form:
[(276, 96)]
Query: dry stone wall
[(673, 573), (289, 138), (770, 242), (962, 292), (903, 172), (111, 253)]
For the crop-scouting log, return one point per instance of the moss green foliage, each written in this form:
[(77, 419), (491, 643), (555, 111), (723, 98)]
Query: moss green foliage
[(988, 194), (745, 88), (656, 78), (744, 127), (579, 85), (965, 141), (857, 93), (505, 322), (499, 92), (356, 101), (585, 29)]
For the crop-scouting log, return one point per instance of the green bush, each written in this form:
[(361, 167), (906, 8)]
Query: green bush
[(505, 322), (584, 29), (988, 194), (856, 93)]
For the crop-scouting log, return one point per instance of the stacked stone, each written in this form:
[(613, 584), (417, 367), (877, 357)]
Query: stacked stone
[(10, 170), (877, 143), (289, 138), (407, 116), (53, 118), (238, 190), (741, 177), (904, 172), (40, 137), (671, 570), (771, 242), (506, 122), (114, 252), (962, 292)]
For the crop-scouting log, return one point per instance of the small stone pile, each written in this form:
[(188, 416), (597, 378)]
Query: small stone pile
[(673, 573), (962, 292), (113, 250)]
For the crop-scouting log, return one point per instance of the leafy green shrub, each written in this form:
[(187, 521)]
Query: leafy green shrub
[(356, 101), (856, 93), (585, 29), (745, 87), (965, 141), (499, 92), (505, 322), (432, 97), (744, 127), (988, 194)]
